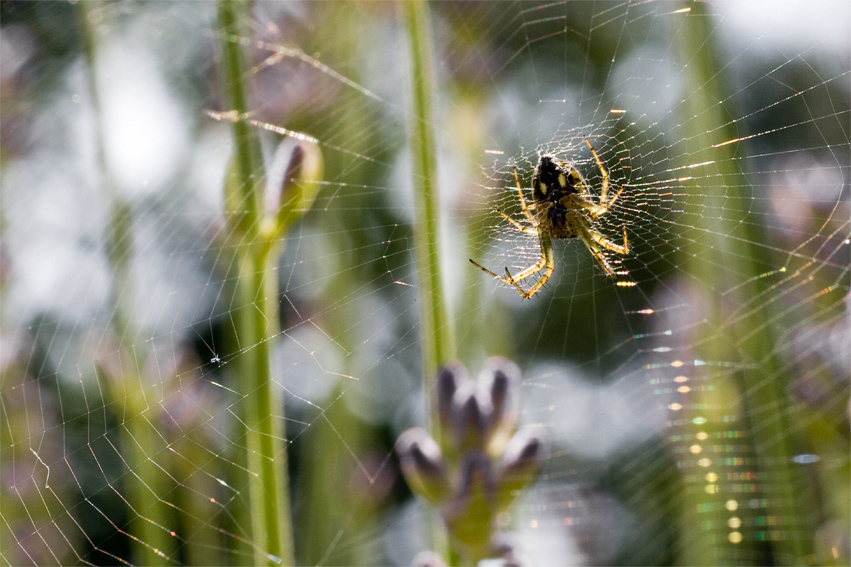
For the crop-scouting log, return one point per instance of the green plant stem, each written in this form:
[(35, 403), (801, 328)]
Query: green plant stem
[(202, 537), (438, 345), (257, 320), (263, 408), (726, 250), (437, 341), (145, 484), (247, 162)]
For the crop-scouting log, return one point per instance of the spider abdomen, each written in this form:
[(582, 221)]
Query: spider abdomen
[(558, 221)]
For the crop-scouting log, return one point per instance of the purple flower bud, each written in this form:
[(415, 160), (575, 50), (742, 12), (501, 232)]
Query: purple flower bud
[(472, 414), (501, 379), (476, 476), (422, 465), (469, 516), (528, 445), (521, 462), (448, 379), (295, 163)]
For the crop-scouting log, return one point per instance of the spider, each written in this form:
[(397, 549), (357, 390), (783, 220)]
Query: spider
[(563, 208)]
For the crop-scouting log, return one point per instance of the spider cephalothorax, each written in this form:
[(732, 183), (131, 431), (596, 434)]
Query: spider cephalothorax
[(563, 207)]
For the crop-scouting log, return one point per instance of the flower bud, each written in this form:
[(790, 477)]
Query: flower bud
[(476, 476), (470, 515), (501, 379), (484, 462), (292, 182), (471, 417), (521, 462), (446, 384), (422, 465)]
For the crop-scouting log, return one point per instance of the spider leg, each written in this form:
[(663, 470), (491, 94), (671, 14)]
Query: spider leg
[(525, 273), (593, 240), (523, 199), (608, 244), (485, 270), (594, 248), (516, 224), (605, 203), (595, 210), (546, 249), (604, 188), (509, 279), (585, 229), (534, 289), (547, 263)]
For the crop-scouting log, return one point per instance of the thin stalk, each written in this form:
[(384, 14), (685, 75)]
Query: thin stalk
[(436, 338), (257, 321), (263, 408), (437, 342), (247, 162), (318, 509), (202, 537), (145, 484), (725, 252)]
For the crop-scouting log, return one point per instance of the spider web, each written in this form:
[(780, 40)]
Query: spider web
[(698, 414)]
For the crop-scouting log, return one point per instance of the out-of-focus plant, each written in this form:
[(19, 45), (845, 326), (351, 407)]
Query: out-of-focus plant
[(437, 346), (480, 462), (131, 391), (136, 391), (474, 462), (724, 249), (34, 528), (436, 331), (257, 221)]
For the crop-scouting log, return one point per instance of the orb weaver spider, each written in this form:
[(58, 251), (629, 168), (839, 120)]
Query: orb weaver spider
[(563, 208)]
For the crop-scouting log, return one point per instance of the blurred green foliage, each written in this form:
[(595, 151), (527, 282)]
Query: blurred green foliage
[(348, 319)]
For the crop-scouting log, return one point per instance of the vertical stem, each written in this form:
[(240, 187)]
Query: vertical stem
[(437, 343), (202, 536), (435, 330), (726, 253), (257, 321), (246, 145), (145, 485), (257, 328)]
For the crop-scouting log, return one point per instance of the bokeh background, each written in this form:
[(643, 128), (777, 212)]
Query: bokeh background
[(701, 414)]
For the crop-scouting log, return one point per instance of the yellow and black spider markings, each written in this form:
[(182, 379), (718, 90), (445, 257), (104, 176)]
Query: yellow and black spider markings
[(563, 207)]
